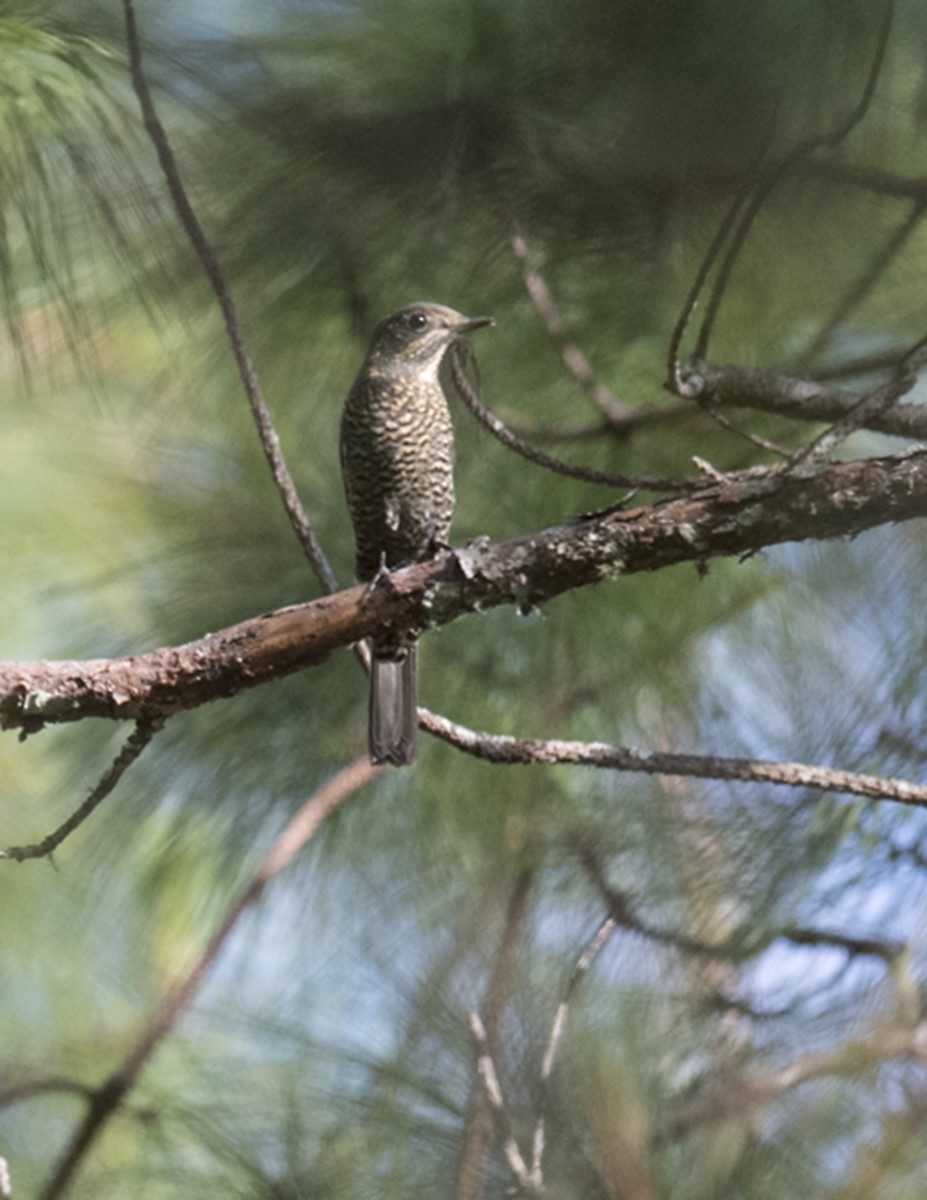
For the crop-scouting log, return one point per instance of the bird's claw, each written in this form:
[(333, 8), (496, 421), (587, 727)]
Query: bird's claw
[(383, 578)]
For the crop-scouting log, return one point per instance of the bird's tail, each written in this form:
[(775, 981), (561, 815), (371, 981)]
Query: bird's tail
[(393, 720)]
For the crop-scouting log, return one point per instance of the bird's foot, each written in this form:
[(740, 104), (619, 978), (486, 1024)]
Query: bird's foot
[(383, 578)]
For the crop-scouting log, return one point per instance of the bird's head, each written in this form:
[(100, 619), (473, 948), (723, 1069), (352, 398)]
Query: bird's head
[(416, 336)]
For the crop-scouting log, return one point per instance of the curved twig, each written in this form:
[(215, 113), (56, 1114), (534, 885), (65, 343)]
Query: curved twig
[(500, 431), (880, 263), (268, 436), (776, 174)]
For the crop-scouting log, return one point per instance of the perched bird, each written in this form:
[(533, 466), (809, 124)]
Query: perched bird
[(397, 460)]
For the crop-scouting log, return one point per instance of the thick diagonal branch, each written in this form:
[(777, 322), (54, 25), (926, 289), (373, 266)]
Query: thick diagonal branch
[(737, 515)]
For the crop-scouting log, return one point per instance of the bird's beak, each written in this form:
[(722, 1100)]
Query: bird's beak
[(472, 323)]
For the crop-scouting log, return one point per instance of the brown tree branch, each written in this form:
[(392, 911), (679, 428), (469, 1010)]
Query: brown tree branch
[(108, 1097), (740, 515), (870, 405)]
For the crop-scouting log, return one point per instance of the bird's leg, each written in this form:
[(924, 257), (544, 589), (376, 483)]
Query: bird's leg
[(436, 543), (382, 579)]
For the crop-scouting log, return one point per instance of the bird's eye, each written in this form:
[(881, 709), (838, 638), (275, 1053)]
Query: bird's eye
[(417, 320)]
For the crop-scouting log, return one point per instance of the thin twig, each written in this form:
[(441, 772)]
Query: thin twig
[(754, 438), (880, 263), (583, 963), (478, 1126), (109, 1096), (141, 735), (511, 751), (675, 380), (869, 407), (270, 443), (777, 173), (573, 357), (493, 1091), (511, 441)]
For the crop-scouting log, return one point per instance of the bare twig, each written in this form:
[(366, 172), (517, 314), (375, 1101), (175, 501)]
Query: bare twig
[(477, 1128), (109, 1096), (675, 379), (145, 729), (753, 438), (573, 358), (869, 407), (511, 751), (779, 172), (880, 263), (530, 1180), (583, 963), (511, 441), (490, 1080), (268, 436)]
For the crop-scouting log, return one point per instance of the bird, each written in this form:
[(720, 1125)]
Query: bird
[(397, 465)]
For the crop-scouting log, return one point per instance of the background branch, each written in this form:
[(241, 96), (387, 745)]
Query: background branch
[(573, 358), (803, 399), (736, 1097), (270, 443), (773, 177), (109, 1095), (145, 729)]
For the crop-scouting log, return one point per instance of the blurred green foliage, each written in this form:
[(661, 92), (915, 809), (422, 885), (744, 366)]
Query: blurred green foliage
[(346, 159)]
